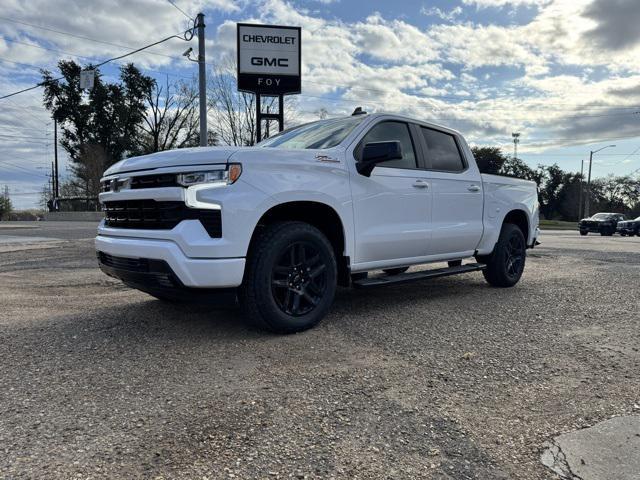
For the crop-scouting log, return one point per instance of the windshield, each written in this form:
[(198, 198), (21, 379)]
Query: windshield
[(320, 134), (601, 216)]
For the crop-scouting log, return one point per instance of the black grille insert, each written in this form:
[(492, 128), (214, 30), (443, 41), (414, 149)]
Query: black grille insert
[(154, 181), (153, 215), (124, 263)]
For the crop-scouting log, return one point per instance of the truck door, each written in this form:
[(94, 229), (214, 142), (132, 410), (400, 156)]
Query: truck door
[(392, 207), (457, 195)]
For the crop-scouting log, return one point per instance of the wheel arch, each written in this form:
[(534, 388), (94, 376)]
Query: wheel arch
[(520, 219), (322, 216)]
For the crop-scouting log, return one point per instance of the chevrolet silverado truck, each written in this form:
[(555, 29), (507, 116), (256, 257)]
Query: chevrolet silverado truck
[(352, 201)]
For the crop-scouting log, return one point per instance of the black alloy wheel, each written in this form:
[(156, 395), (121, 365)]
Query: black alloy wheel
[(290, 278), (514, 257), (299, 279), (506, 263)]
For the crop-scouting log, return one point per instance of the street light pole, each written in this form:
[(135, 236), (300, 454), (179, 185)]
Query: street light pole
[(56, 183), (581, 187), (588, 199), (202, 80)]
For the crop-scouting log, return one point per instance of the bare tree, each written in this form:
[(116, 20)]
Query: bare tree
[(172, 118), (93, 162), (234, 113)]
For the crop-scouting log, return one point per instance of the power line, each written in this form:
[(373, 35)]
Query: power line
[(180, 10), (14, 194), (23, 170), (82, 37), (185, 35), (28, 137), (39, 67)]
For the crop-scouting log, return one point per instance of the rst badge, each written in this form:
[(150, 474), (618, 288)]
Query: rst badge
[(269, 59)]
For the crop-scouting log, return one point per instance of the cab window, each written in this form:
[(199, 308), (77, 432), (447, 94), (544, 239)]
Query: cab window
[(442, 151), (389, 132)]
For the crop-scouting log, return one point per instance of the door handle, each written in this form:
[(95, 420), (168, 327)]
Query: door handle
[(473, 188), (420, 184)]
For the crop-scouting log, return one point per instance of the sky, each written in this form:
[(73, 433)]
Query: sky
[(565, 74)]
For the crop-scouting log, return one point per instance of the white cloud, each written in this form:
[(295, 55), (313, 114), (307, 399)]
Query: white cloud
[(503, 3), (449, 16)]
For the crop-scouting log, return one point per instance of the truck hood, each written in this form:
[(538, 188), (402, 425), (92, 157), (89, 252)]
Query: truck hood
[(172, 158), (221, 155)]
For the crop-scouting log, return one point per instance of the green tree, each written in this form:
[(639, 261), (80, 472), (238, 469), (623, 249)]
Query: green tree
[(514, 167), (6, 207), (489, 159), (103, 121)]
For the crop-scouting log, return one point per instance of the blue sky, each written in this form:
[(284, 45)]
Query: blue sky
[(563, 73)]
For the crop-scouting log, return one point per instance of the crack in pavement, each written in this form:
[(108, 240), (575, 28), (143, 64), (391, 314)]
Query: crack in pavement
[(554, 458)]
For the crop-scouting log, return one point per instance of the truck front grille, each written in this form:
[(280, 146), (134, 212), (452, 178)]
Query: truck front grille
[(143, 181), (153, 215), (154, 181)]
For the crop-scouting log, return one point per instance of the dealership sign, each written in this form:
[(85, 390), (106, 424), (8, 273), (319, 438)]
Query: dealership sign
[(268, 59)]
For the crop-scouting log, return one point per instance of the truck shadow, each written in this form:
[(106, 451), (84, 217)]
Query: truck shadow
[(150, 323)]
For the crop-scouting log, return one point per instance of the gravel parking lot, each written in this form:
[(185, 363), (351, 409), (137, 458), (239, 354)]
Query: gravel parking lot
[(441, 379)]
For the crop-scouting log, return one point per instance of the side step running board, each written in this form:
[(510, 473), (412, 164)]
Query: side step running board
[(415, 276)]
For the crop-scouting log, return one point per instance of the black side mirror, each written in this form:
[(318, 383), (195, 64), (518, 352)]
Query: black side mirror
[(378, 152)]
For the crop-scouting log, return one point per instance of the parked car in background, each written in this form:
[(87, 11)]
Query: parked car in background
[(602, 223), (629, 227)]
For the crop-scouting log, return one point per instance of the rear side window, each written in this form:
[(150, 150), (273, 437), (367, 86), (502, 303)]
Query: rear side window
[(442, 150), (389, 132)]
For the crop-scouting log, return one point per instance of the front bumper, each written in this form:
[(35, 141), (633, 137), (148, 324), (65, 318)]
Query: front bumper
[(629, 229), (190, 272), (589, 228)]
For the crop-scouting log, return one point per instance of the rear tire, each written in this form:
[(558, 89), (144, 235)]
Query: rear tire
[(290, 279), (584, 232), (506, 264)]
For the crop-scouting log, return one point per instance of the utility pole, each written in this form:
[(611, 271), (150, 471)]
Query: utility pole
[(588, 199), (581, 187), (202, 80), (56, 185), (587, 202)]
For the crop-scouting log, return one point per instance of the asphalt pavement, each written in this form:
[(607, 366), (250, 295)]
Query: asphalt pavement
[(446, 379)]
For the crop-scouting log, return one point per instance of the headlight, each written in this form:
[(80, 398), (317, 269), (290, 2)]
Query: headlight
[(216, 177)]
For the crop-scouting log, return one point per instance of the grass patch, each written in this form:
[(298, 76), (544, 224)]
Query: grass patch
[(557, 225)]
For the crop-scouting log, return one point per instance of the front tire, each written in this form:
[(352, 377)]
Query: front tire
[(506, 264), (290, 279), (584, 232)]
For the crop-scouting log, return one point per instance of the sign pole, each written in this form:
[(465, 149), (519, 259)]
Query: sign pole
[(258, 118)]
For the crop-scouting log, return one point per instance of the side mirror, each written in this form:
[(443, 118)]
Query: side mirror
[(377, 152)]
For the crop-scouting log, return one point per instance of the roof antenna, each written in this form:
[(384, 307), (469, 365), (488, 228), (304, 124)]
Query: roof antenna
[(359, 111)]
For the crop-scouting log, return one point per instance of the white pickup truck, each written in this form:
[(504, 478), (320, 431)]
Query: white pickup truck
[(280, 225)]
